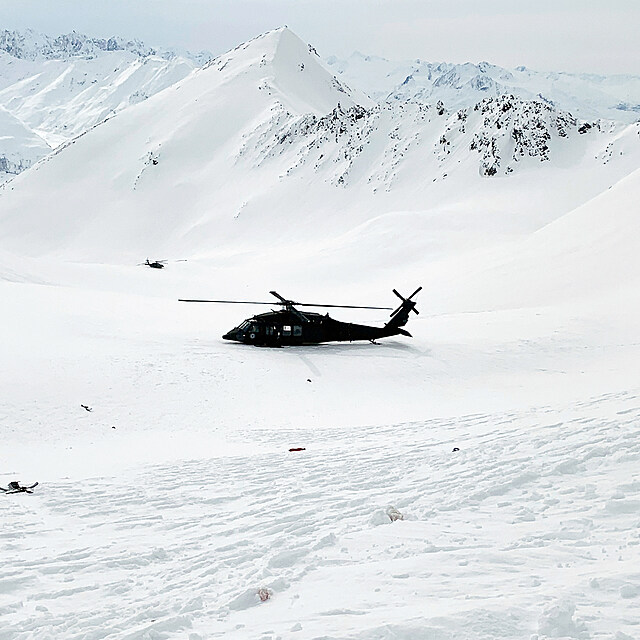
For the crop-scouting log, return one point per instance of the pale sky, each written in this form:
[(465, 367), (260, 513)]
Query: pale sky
[(565, 35)]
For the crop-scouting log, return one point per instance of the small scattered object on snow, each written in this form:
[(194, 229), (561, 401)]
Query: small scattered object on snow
[(113, 427), (297, 449), (16, 487), (456, 449), (308, 379), (86, 407), (394, 514), (264, 594)]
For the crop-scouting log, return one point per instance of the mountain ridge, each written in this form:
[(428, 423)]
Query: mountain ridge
[(56, 99)]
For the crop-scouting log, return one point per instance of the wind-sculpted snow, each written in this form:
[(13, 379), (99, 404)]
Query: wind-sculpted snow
[(531, 527)]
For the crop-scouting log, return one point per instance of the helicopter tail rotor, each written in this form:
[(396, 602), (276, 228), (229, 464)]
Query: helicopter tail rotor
[(400, 316)]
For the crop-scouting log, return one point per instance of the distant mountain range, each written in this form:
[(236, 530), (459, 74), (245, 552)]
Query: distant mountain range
[(31, 45), (587, 96)]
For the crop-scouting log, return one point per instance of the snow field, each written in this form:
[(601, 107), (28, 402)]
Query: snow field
[(530, 528)]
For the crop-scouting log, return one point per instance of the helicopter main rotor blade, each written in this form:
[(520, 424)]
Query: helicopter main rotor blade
[(309, 304), (230, 301), (277, 295), (297, 304), (338, 306)]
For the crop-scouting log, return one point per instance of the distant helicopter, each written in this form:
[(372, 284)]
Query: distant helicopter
[(156, 264), (289, 326)]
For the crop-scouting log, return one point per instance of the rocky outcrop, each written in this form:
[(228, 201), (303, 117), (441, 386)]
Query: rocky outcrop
[(504, 131)]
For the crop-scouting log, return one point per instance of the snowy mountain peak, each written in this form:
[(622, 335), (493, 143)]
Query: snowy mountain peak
[(290, 71)]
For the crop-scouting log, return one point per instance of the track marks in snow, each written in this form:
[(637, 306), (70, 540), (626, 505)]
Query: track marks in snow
[(178, 549)]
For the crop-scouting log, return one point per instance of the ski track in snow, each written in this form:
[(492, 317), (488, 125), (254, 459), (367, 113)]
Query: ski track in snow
[(532, 505)]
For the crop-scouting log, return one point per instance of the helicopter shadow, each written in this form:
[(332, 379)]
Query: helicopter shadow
[(308, 353), (352, 347)]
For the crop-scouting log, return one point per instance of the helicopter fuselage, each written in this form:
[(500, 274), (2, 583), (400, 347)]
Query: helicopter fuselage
[(283, 328)]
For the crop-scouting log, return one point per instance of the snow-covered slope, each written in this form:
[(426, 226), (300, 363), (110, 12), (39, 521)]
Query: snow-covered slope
[(20, 147), (60, 99), (60, 87), (587, 96), (590, 251)]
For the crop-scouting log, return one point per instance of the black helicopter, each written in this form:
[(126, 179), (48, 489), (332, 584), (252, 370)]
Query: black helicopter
[(156, 264), (289, 326)]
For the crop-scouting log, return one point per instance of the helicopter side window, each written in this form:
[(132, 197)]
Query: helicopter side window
[(297, 330), (286, 330)]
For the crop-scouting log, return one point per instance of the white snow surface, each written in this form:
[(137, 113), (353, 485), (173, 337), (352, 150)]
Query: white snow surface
[(174, 508)]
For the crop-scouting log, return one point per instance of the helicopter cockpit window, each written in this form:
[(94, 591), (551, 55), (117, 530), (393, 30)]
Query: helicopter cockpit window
[(286, 330), (297, 330), (244, 326)]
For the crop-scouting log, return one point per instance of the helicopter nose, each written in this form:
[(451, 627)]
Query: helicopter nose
[(232, 335)]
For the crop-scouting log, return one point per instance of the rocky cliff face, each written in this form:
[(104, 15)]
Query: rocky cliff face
[(510, 130), (379, 142)]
